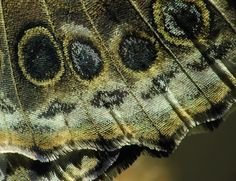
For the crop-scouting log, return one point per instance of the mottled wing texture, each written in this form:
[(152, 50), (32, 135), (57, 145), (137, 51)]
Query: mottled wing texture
[(87, 85)]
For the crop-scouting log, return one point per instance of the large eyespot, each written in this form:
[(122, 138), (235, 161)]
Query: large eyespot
[(86, 59), (180, 21), (137, 53), (40, 59)]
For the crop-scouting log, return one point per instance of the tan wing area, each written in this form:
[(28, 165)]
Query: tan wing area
[(108, 75)]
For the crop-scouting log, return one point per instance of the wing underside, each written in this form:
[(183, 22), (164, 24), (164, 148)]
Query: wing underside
[(152, 71)]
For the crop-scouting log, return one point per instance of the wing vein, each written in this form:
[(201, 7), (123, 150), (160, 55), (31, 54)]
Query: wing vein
[(117, 69), (223, 15), (26, 117), (169, 50)]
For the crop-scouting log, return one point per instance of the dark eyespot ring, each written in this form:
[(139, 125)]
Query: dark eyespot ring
[(180, 21), (39, 57)]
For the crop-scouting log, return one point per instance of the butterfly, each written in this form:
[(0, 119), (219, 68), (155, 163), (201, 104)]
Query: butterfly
[(86, 86)]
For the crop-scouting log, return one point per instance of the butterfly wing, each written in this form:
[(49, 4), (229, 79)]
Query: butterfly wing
[(109, 76)]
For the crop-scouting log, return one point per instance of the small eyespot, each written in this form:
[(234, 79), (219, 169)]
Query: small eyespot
[(86, 59), (39, 57), (137, 53)]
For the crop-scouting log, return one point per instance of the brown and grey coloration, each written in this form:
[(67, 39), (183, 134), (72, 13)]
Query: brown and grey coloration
[(57, 107), (85, 83), (109, 99), (40, 58), (86, 60), (5, 107), (136, 53)]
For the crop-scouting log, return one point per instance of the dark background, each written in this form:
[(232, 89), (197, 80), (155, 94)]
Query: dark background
[(202, 157)]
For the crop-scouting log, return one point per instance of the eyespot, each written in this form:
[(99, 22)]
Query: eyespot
[(137, 53), (180, 21), (40, 59), (86, 59)]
